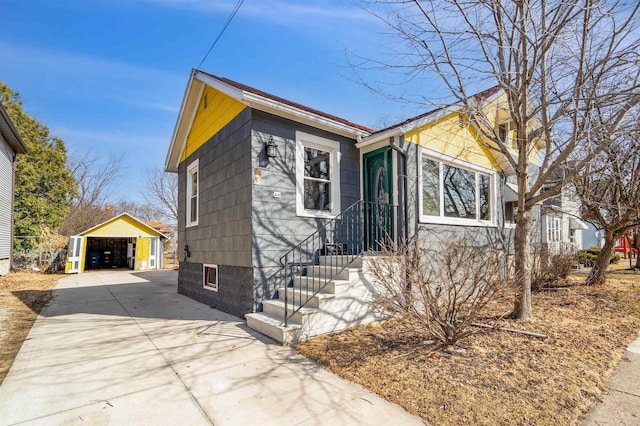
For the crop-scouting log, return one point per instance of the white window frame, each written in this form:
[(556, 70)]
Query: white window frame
[(511, 139), (507, 223), (194, 167), (554, 229), (444, 159), (311, 141), (205, 284)]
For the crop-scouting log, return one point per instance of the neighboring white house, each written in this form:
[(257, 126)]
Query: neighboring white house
[(10, 145), (592, 237), (560, 225)]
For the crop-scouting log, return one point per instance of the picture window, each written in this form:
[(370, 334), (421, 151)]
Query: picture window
[(454, 193)]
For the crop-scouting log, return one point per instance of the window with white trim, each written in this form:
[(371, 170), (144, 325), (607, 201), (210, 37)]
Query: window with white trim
[(317, 176), (210, 277), (510, 212), (508, 134), (192, 193), (554, 229), (455, 192)]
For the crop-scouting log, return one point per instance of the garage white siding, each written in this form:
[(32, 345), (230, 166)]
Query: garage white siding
[(6, 192)]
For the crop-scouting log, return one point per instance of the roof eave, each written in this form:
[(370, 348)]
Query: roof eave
[(370, 140), (252, 100), (295, 114), (402, 129), (93, 228), (10, 133), (170, 164)]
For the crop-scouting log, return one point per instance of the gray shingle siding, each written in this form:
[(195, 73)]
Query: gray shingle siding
[(223, 234), (234, 294), (276, 226)]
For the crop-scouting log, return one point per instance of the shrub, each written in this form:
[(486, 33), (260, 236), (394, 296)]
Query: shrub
[(549, 268), (588, 257), (436, 293)]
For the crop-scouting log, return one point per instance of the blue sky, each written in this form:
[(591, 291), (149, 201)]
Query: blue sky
[(108, 75)]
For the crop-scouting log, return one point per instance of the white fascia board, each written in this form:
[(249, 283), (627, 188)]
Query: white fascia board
[(412, 125), (262, 103), (228, 90), (493, 97), (168, 162), (416, 124), (287, 111), (194, 109), (370, 140)]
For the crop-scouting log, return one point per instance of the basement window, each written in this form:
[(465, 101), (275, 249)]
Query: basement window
[(210, 277)]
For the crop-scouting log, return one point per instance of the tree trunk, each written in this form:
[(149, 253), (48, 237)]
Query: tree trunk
[(522, 246), (597, 274)]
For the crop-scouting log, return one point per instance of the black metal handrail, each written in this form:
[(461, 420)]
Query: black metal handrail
[(362, 226)]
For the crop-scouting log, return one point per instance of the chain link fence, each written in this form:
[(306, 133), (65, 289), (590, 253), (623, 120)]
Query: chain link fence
[(46, 252)]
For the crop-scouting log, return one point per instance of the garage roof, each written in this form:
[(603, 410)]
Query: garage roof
[(123, 226)]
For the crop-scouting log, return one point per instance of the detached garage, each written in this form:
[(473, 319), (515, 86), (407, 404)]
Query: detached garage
[(120, 242)]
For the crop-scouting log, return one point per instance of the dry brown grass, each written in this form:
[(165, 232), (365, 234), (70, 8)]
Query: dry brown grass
[(22, 297), (499, 377)]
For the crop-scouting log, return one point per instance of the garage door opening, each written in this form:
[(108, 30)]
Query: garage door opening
[(110, 253)]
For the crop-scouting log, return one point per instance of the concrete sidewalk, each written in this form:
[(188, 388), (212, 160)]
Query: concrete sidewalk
[(125, 348), (621, 406)]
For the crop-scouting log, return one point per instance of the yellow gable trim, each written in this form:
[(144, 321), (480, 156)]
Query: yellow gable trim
[(123, 226), (451, 135), (220, 110)]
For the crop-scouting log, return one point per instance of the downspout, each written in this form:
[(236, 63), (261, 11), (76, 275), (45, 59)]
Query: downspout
[(403, 174), (13, 204)]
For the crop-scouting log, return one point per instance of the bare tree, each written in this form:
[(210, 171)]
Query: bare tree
[(161, 193), (609, 188), (94, 177), (141, 211), (557, 62)]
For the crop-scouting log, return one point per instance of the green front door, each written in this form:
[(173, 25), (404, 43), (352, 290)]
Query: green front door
[(378, 206)]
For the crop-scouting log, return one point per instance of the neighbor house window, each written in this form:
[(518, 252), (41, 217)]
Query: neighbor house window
[(554, 232), (192, 193), (317, 176), (210, 277), (508, 135), (510, 212), (455, 192)]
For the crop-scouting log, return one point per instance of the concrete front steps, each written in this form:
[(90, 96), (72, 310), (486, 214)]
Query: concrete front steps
[(342, 303)]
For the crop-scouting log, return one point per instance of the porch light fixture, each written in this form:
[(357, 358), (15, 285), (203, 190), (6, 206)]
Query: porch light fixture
[(271, 148)]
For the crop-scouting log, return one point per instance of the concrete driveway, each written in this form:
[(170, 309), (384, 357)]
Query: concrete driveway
[(125, 348)]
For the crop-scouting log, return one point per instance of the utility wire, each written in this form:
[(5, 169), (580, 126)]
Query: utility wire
[(233, 13)]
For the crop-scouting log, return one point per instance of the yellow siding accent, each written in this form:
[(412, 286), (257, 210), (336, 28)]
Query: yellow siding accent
[(220, 110), (143, 248), (83, 255), (497, 112), (447, 137), (124, 226)]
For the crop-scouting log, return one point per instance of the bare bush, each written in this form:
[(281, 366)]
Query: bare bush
[(436, 293), (550, 267)]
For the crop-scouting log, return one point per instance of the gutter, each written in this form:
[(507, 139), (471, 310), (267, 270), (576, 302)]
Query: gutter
[(403, 173)]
